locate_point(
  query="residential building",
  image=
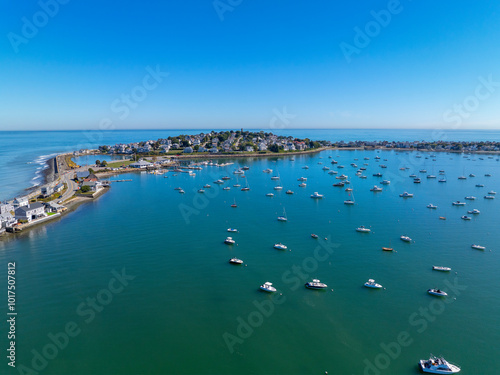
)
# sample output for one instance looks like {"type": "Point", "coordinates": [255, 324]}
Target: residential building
{"type": "Point", "coordinates": [6, 208]}
{"type": "Point", "coordinates": [20, 202]}
{"type": "Point", "coordinates": [30, 212]}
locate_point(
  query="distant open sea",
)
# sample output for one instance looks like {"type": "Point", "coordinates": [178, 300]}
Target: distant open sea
{"type": "Point", "coordinates": [23, 154]}
{"type": "Point", "coordinates": [138, 281]}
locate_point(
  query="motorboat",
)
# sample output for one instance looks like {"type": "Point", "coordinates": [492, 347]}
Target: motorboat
{"type": "Point", "coordinates": [268, 287]}
{"type": "Point", "coordinates": [438, 365]}
{"type": "Point", "coordinates": [332, 172]}
{"type": "Point", "coordinates": [305, 167]}
{"type": "Point", "coordinates": [269, 195]}
{"type": "Point", "coordinates": [437, 292]}
{"type": "Point", "coordinates": [472, 175]}
{"type": "Point", "coordinates": [280, 246]}
{"type": "Point", "coordinates": [207, 186]}
{"type": "Point", "coordinates": [386, 182]}
{"type": "Point", "coordinates": [417, 180]}
{"type": "Point", "coordinates": [232, 230]}
{"type": "Point", "coordinates": [245, 168]}
{"type": "Point", "coordinates": [279, 187]}
{"type": "Point", "coordinates": [458, 203]}
{"type": "Point", "coordinates": [431, 176]}
{"type": "Point", "coordinates": [226, 188]}
{"type": "Point", "coordinates": [219, 182]}
{"type": "Point", "coordinates": [349, 202]}
{"type": "Point", "coordinates": [372, 284]}
{"type": "Point", "coordinates": [465, 217]}
{"type": "Point", "coordinates": [178, 188]}
{"type": "Point", "coordinates": [423, 171]}
{"type": "Point", "coordinates": [235, 261]}
{"type": "Point", "coordinates": [405, 238]}
{"type": "Point", "coordinates": [470, 198]}
{"type": "Point", "coordinates": [289, 192]}
{"type": "Point", "coordinates": [443, 269]}
{"type": "Point", "coordinates": [406, 195]}
{"type": "Point", "coordinates": [492, 192]}
{"type": "Point", "coordinates": [442, 180]}
{"type": "Point", "coordinates": [487, 175]}
{"type": "Point", "coordinates": [442, 218]}
{"type": "Point", "coordinates": [302, 179]}
{"type": "Point", "coordinates": [376, 188]}
{"type": "Point", "coordinates": [430, 205]}
{"type": "Point", "coordinates": [236, 185]}
{"type": "Point", "coordinates": [201, 191]}
{"type": "Point", "coordinates": [229, 241]}
{"type": "Point", "coordinates": [475, 211]}
{"type": "Point", "coordinates": [340, 166]}
{"type": "Point", "coordinates": [268, 170]}
{"type": "Point", "coordinates": [181, 191]}
{"type": "Point", "coordinates": [325, 168]}
{"type": "Point", "coordinates": [478, 247]}
{"type": "Point", "coordinates": [341, 177]}
{"type": "Point", "coordinates": [362, 229]}
{"type": "Point", "coordinates": [314, 235]}
{"type": "Point", "coordinates": [274, 178]}
{"type": "Point", "coordinates": [316, 195]}
{"type": "Point", "coordinates": [225, 178]}
{"type": "Point", "coordinates": [315, 284]}
{"type": "Point", "coordinates": [303, 184]}
{"type": "Point", "coordinates": [479, 185]}
{"type": "Point", "coordinates": [462, 178]}
{"type": "Point", "coordinates": [377, 174]}
{"type": "Point", "coordinates": [489, 197]}
{"type": "Point", "coordinates": [413, 175]}
{"type": "Point", "coordinates": [339, 184]}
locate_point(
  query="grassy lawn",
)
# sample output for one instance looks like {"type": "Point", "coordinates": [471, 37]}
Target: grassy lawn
{"type": "Point", "coordinates": [51, 213]}
{"type": "Point", "coordinates": [119, 163]}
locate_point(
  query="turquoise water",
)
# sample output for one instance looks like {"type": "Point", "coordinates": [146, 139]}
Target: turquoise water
{"type": "Point", "coordinates": [185, 299]}
{"type": "Point", "coordinates": [23, 154]}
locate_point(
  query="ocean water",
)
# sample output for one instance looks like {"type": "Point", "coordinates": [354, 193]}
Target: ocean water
{"type": "Point", "coordinates": [23, 154]}
{"type": "Point", "coordinates": [185, 310]}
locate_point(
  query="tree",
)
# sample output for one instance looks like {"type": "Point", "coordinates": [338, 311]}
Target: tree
{"type": "Point", "coordinates": [91, 171]}
{"type": "Point", "coordinates": [104, 163]}
{"type": "Point", "coordinates": [97, 162]}
{"type": "Point", "coordinates": [85, 189]}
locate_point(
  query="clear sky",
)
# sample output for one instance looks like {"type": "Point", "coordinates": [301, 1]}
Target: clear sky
{"type": "Point", "coordinates": [68, 64]}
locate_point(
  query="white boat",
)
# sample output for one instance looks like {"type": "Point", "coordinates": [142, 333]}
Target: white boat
{"type": "Point", "coordinates": [316, 195]}
{"type": "Point", "coordinates": [472, 175]}
{"type": "Point", "coordinates": [385, 182]}
{"type": "Point", "coordinates": [181, 191]}
{"type": "Point", "coordinates": [470, 198]}
{"type": "Point", "coordinates": [375, 188]}
{"type": "Point", "coordinates": [284, 217]}
{"type": "Point", "coordinates": [233, 230]}
{"type": "Point", "coordinates": [437, 292]}
{"type": "Point", "coordinates": [406, 195]}
{"type": "Point", "coordinates": [225, 178]}
{"type": "Point", "coordinates": [492, 192]}
{"type": "Point", "coordinates": [229, 241]}
{"type": "Point", "coordinates": [279, 187]}
{"type": "Point", "coordinates": [430, 205]}
{"type": "Point", "coordinates": [478, 247]}
{"type": "Point", "coordinates": [178, 188]}
{"type": "Point", "coordinates": [207, 186]}
{"type": "Point", "coordinates": [377, 174]}
{"type": "Point", "coordinates": [280, 246]}
{"type": "Point", "coordinates": [475, 211]}
{"type": "Point", "coordinates": [274, 178]}
{"type": "Point", "coordinates": [235, 261]}
{"type": "Point", "coordinates": [314, 235]}
{"type": "Point", "coordinates": [431, 176]}
{"type": "Point", "coordinates": [341, 177]}
{"type": "Point", "coordinates": [236, 185]}
{"type": "Point", "coordinates": [362, 229]}
{"type": "Point", "coordinates": [226, 188]}
{"type": "Point", "coordinates": [219, 182]}
{"type": "Point", "coordinates": [442, 180]}
{"type": "Point", "coordinates": [438, 365]}
{"type": "Point", "coordinates": [269, 195]}
{"type": "Point", "coordinates": [458, 203]}
{"type": "Point", "coordinates": [462, 178]}
{"type": "Point", "coordinates": [489, 197]}
{"type": "Point", "coordinates": [372, 284]}
{"type": "Point", "coordinates": [405, 238]}
{"type": "Point", "coordinates": [289, 192]}
{"type": "Point", "coordinates": [332, 172]}
{"type": "Point", "coordinates": [479, 185]}
{"type": "Point", "coordinates": [268, 287]}
{"type": "Point", "coordinates": [305, 167]}
{"type": "Point", "coordinates": [465, 217]}
{"type": "Point", "coordinates": [302, 179]}
{"type": "Point", "coordinates": [201, 191]}
{"type": "Point", "coordinates": [268, 170]}
{"type": "Point", "coordinates": [325, 168]}
{"type": "Point", "coordinates": [315, 284]}
{"type": "Point", "coordinates": [303, 184]}
{"type": "Point", "coordinates": [349, 202]}
{"type": "Point", "coordinates": [443, 269]}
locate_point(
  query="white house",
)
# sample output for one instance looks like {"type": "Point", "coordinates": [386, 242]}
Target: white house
{"type": "Point", "coordinates": [20, 202]}
{"type": "Point", "coordinates": [47, 191]}
{"type": "Point", "coordinates": [141, 164]}
{"type": "Point", "coordinates": [30, 212]}
{"type": "Point", "coordinates": [94, 185]}
{"type": "Point", "coordinates": [7, 220]}
{"type": "Point", "coordinates": [6, 208]}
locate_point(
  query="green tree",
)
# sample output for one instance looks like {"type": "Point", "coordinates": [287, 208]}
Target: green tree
{"type": "Point", "coordinates": [104, 163]}
{"type": "Point", "coordinates": [85, 189]}
{"type": "Point", "coordinates": [91, 170]}
{"type": "Point", "coordinates": [97, 162]}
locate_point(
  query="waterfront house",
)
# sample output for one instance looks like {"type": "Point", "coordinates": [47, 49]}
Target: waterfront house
{"type": "Point", "coordinates": [94, 185]}
{"type": "Point", "coordinates": [91, 178]}
{"type": "Point", "coordinates": [53, 207]}
{"type": "Point", "coordinates": [30, 212]}
{"type": "Point", "coordinates": [141, 164]}
{"type": "Point", "coordinates": [6, 208]}
{"type": "Point", "coordinates": [20, 202]}
{"type": "Point", "coordinates": [58, 188]}
{"type": "Point", "coordinates": [7, 220]}
{"type": "Point", "coordinates": [47, 191]}
{"type": "Point", "coordinates": [83, 174]}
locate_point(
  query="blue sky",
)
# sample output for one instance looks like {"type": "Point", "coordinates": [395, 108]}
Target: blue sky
{"type": "Point", "coordinates": [235, 63]}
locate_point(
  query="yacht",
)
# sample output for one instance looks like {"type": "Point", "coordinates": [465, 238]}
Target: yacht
{"type": "Point", "coordinates": [472, 175]}
{"type": "Point", "coordinates": [462, 178]}
{"type": "Point", "coordinates": [332, 172]}
{"type": "Point", "coordinates": [274, 178]}
{"type": "Point", "coordinates": [438, 365]}
{"type": "Point", "coordinates": [489, 197]}
{"type": "Point", "coordinates": [492, 192]}
{"type": "Point", "coordinates": [386, 182]}
{"type": "Point", "coordinates": [325, 168]}
{"type": "Point", "coordinates": [363, 176]}
{"type": "Point", "coordinates": [225, 178]}
{"type": "Point", "coordinates": [376, 188]}
{"type": "Point", "coordinates": [289, 192]}
{"type": "Point", "coordinates": [315, 284]}
{"type": "Point", "coordinates": [226, 188]}
{"type": "Point", "coordinates": [268, 170]}
{"type": "Point", "coordinates": [372, 284]}
{"type": "Point", "coordinates": [283, 218]}
{"type": "Point", "coordinates": [339, 184]}
{"type": "Point", "coordinates": [219, 182]}
{"type": "Point", "coordinates": [442, 180]}
{"type": "Point", "coordinates": [413, 175]}
{"type": "Point", "coordinates": [362, 229]}
{"type": "Point", "coordinates": [340, 166]}
{"type": "Point", "coordinates": [430, 205]}
{"type": "Point", "coordinates": [268, 287]}
{"type": "Point", "coordinates": [279, 187]}
{"type": "Point", "coordinates": [316, 195]}
{"type": "Point", "coordinates": [431, 176]}
{"type": "Point", "coordinates": [314, 235]}
{"type": "Point", "coordinates": [383, 166]}
{"type": "Point", "coordinates": [487, 175]}
{"type": "Point", "coordinates": [443, 269]}
{"type": "Point", "coordinates": [387, 249]}
{"type": "Point", "coordinates": [305, 167]}
{"type": "Point", "coordinates": [437, 292]}
{"type": "Point", "coordinates": [349, 202]}
{"type": "Point", "coordinates": [302, 179]}
{"type": "Point", "coordinates": [229, 241]}
{"type": "Point", "coordinates": [478, 247]}
{"type": "Point", "coordinates": [458, 203]}
{"type": "Point", "coordinates": [280, 246]}
{"type": "Point", "coordinates": [441, 171]}
{"type": "Point", "coordinates": [269, 195]}
{"type": "Point", "coordinates": [245, 168]}
{"type": "Point", "coordinates": [475, 211]}
{"type": "Point", "coordinates": [235, 261]}
{"type": "Point", "coordinates": [178, 188]}
{"type": "Point", "coordinates": [377, 174]}
{"type": "Point", "coordinates": [236, 185]}
{"type": "Point", "coordinates": [181, 191]}
{"type": "Point", "coordinates": [465, 217]}
{"type": "Point", "coordinates": [234, 205]}
{"type": "Point", "coordinates": [406, 195]}
{"type": "Point", "coordinates": [303, 184]}
{"type": "Point", "coordinates": [207, 186]}
{"type": "Point", "coordinates": [405, 238]}
{"type": "Point", "coordinates": [232, 230]}
{"type": "Point", "coordinates": [341, 177]}
{"type": "Point", "coordinates": [201, 191]}
{"type": "Point", "coordinates": [423, 171]}
{"type": "Point", "coordinates": [417, 180]}
{"type": "Point", "coordinates": [334, 161]}
{"type": "Point", "coordinates": [238, 171]}
{"type": "Point", "coordinates": [479, 185]}
{"type": "Point", "coordinates": [470, 197]}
